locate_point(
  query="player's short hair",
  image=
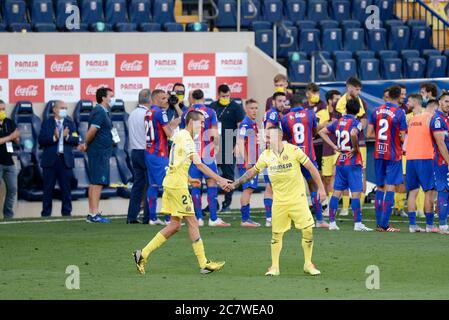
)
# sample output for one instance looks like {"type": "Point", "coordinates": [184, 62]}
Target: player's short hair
{"type": "Point", "coordinates": [156, 92]}
{"type": "Point", "coordinates": [433, 102]}
{"type": "Point", "coordinates": [353, 106]}
{"type": "Point", "coordinates": [2, 102]}
{"type": "Point", "coordinates": [102, 93]}
{"type": "Point", "coordinates": [401, 85]}
{"type": "Point", "coordinates": [387, 89]}
{"type": "Point", "coordinates": [313, 87]}
{"type": "Point", "coordinates": [429, 87]}
{"type": "Point", "coordinates": [278, 94]}
{"type": "Point", "coordinates": [276, 127]}
{"type": "Point", "coordinates": [223, 88]}
{"type": "Point", "coordinates": [144, 96]}
{"type": "Point", "coordinates": [193, 115]}
{"type": "Point", "coordinates": [416, 97]}
{"type": "Point", "coordinates": [394, 92]}
{"type": "Point", "coordinates": [353, 81]}
{"type": "Point", "coordinates": [444, 93]}
{"type": "Point", "coordinates": [279, 77]}
{"type": "Point", "coordinates": [250, 101]}
{"type": "Point", "coordinates": [296, 100]}
{"type": "Point", "coordinates": [331, 93]}
{"type": "Point", "coordinates": [198, 94]}
{"type": "Point", "coordinates": [179, 84]}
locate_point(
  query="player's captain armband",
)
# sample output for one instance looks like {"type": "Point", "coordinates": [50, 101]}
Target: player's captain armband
{"type": "Point", "coordinates": [75, 135]}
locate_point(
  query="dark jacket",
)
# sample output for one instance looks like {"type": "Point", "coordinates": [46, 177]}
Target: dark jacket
{"type": "Point", "coordinates": [50, 146]}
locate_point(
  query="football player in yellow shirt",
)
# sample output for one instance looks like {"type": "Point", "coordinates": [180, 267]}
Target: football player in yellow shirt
{"type": "Point", "coordinates": [283, 162]}
{"type": "Point", "coordinates": [176, 199]}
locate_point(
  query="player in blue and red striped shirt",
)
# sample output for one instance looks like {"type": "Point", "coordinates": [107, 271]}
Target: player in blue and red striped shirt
{"type": "Point", "coordinates": [158, 131]}
{"type": "Point", "coordinates": [349, 167]}
{"type": "Point", "coordinates": [207, 142]}
{"type": "Point", "coordinates": [300, 126]}
{"type": "Point", "coordinates": [388, 125]}
{"type": "Point", "coordinates": [247, 156]}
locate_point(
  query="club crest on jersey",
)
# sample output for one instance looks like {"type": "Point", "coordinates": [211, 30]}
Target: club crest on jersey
{"type": "Point", "coordinates": [273, 116]}
{"type": "Point", "coordinates": [437, 124]}
{"type": "Point", "coordinates": [285, 157]}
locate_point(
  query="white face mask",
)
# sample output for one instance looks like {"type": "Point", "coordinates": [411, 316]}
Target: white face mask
{"type": "Point", "coordinates": [63, 113]}
{"type": "Point", "coordinates": [112, 102]}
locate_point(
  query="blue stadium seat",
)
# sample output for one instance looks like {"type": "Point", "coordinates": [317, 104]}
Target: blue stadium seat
{"type": "Point", "coordinates": [115, 11]}
{"type": "Point", "coordinates": [436, 67]}
{"type": "Point", "coordinates": [364, 54]}
{"type": "Point", "coordinates": [358, 9]}
{"type": "Point", "coordinates": [391, 68]}
{"type": "Point", "coordinates": [173, 27]}
{"type": "Point", "coordinates": [19, 27]}
{"type": "Point", "coordinates": [309, 40]}
{"type": "Point", "coordinates": [272, 10]}
{"type": "Point", "coordinates": [197, 27]}
{"type": "Point", "coordinates": [42, 11]}
{"type": "Point", "coordinates": [420, 38]}
{"type": "Point", "coordinates": [45, 27]}
{"type": "Point", "coordinates": [119, 119]}
{"type": "Point", "coordinates": [415, 23]}
{"type": "Point", "coordinates": [139, 11]}
{"type": "Point", "coordinates": [430, 52]}
{"type": "Point", "coordinates": [414, 68]}
{"type": "Point", "coordinates": [14, 11]}
{"type": "Point", "coordinates": [287, 40]}
{"type": "Point", "coordinates": [260, 25]}
{"type": "Point", "coordinates": [299, 70]}
{"type": "Point", "coordinates": [331, 40]}
{"type": "Point", "coordinates": [340, 10]}
{"type": "Point", "coordinates": [92, 11]}
{"type": "Point", "coordinates": [306, 24]}
{"type": "Point", "coordinates": [345, 68]}
{"type": "Point", "coordinates": [369, 69]}
{"type": "Point", "coordinates": [250, 11]}
{"type": "Point", "coordinates": [163, 11]}
{"type": "Point", "coordinates": [322, 71]}
{"type": "Point", "coordinates": [399, 38]}
{"type": "Point", "coordinates": [317, 10]}
{"type": "Point", "coordinates": [126, 27]}
{"type": "Point", "coordinates": [150, 27]}
{"type": "Point", "coordinates": [321, 54]}
{"type": "Point", "coordinates": [29, 125]}
{"type": "Point", "coordinates": [408, 53]}
{"type": "Point", "coordinates": [48, 110]}
{"type": "Point", "coordinates": [295, 10]}
{"type": "Point", "coordinates": [227, 17]}
{"type": "Point", "coordinates": [81, 175]}
{"type": "Point", "coordinates": [64, 8]}
{"type": "Point", "coordinates": [393, 23]}
{"type": "Point", "coordinates": [328, 24]}
{"type": "Point", "coordinates": [354, 39]}
{"type": "Point", "coordinates": [346, 24]}
{"type": "Point", "coordinates": [81, 116]}
{"type": "Point", "coordinates": [264, 41]}
{"type": "Point", "coordinates": [387, 54]}
{"type": "Point", "coordinates": [340, 55]}
{"type": "Point", "coordinates": [385, 8]}
{"type": "Point", "coordinates": [377, 39]}
{"type": "Point", "coordinates": [297, 55]}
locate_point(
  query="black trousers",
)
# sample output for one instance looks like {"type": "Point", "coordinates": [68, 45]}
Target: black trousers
{"type": "Point", "coordinates": [59, 172]}
{"type": "Point", "coordinates": [228, 173]}
{"type": "Point", "coordinates": [139, 186]}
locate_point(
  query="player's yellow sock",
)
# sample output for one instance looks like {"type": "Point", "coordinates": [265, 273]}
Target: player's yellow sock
{"type": "Point", "coordinates": [307, 245]}
{"type": "Point", "coordinates": [420, 201]}
{"type": "Point", "coordinates": [401, 200]}
{"type": "Point", "coordinates": [198, 249]}
{"type": "Point", "coordinates": [155, 243]}
{"type": "Point", "coordinates": [396, 200]}
{"type": "Point", "coordinates": [276, 247]}
{"type": "Point", "coordinates": [345, 202]}
{"type": "Point", "coordinates": [362, 198]}
{"type": "Point", "coordinates": [330, 195]}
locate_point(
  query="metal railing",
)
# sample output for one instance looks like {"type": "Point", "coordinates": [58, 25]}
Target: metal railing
{"type": "Point", "coordinates": [416, 12]}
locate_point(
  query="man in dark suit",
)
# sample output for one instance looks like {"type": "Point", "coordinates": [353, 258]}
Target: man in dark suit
{"type": "Point", "coordinates": [57, 137]}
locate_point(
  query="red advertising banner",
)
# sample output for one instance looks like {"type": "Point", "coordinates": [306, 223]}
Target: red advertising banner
{"type": "Point", "coordinates": [199, 64]}
{"type": "Point", "coordinates": [3, 66]}
{"type": "Point", "coordinates": [29, 90]}
{"type": "Point", "coordinates": [62, 66]}
{"type": "Point", "coordinates": [238, 85]}
{"type": "Point", "coordinates": [131, 65]}
{"type": "Point", "coordinates": [89, 87]}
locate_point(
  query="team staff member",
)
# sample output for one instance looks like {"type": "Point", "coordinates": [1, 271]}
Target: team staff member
{"type": "Point", "coordinates": [57, 137]}
{"type": "Point", "coordinates": [8, 134]}
{"type": "Point", "coordinates": [280, 85]}
{"type": "Point", "coordinates": [175, 110]}
{"type": "Point", "coordinates": [229, 115]}
{"type": "Point", "coordinates": [99, 142]}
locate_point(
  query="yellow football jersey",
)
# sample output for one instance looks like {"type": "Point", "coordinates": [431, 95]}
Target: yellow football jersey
{"type": "Point", "coordinates": [182, 149]}
{"type": "Point", "coordinates": [285, 174]}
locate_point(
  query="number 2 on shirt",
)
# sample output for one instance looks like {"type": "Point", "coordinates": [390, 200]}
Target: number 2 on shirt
{"type": "Point", "coordinates": [343, 140]}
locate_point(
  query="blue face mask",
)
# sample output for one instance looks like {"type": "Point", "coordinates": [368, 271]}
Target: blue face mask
{"type": "Point", "coordinates": [425, 100]}
{"type": "Point", "coordinates": [63, 113]}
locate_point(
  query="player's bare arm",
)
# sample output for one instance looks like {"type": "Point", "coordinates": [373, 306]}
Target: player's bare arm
{"type": "Point", "coordinates": [354, 141]}
{"type": "Point", "coordinates": [439, 139]}
{"type": "Point", "coordinates": [370, 132]}
{"type": "Point", "coordinates": [216, 138]}
{"type": "Point", "coordinates": [225, 184]}
{"type": "Point", "coordinates": [324, 134]}
{"type": "Point", "coordinates": [316, 179]}
{"type": "Point", "coordinates": [168, 129]}
{"type": "Point", "coordinates": [249, 174]}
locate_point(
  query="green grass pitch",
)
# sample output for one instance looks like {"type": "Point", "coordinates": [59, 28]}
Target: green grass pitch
{"type": "Point", "coordinates": [34, 257]}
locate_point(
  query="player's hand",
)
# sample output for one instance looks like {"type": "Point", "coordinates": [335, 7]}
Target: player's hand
{"type": "Point", "coordinates": [225, 184]}
{"type": "Point", "coordinates": [82, 147]}
{"type": "Point", "coordinates": [321, 193]}
{"type": "Point", "coordinates": [175, 122]}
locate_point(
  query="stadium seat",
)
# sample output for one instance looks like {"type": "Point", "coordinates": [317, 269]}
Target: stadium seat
{"type": "Point", "coordinates": [125, 175]}
{"type": "Point", "coordinates": [115, 12]}
{"type": "Point", "coordinates": [415, 23]}
{"type": "Point", "coordinates": [287, 40]}
{"type": "Point", "coordinates": [173, 27]}
{"type": "Point", "coordinates": [163, 11]}
{"type": "Point", "coordinates": [42, 11]}
{"type": "Point", "coordinates": [420, 38]}
{"type": "Point", "coordinates": [14, 11]}
{"type": "Point", "coordinates": [387, 54]}
{"type": "Point", "coordinates": [295, 10]}
{"type": "Point", "coordinates": [340, 10]}
{"type": "Point", "coordinates": [64, 8]}
{"type": "Point", "coordinates": [321, 54]}
{"type": "Point", "coordinates": [358, 9]}
{"type": "Point", "coordinates": [197, 27]}
{"type": "Point", "coordinates": [272, 10]}
{"type": "Point", "coordinates": [364, 54]}
{"type": "Point", "coordinates": [81, 175]}
{"type": "Point", "coordinates": [391, 68]}
{"type": "Point", "coordinates": [339, 55]}
{"type": "Point", "coordinates": [331, 40]}
{"type": "Point", "coordinates": [264, 41]}
{"type": "Point", "coordinates": [346, 24]}
{"type": "Point", "coordinates": [126, 27]}
{"type": "Point", "coordinates": [306, 24]}
{"type": "Point", "coordinates": [139, 11]}
{"type": "Point", "coordinates": [317, 10]}
{"type": "Point", "coordinates": [30, 186]}
{"type": "Point", "coordinates": [227, 17]}
{"type": "Point", "coordinates": [119, 118]}
{"type": "Point", "coordinates": [328, 24]}
{"type": "Point", "coordinates": [385, 8]}
{"type": "Point", "coordinates": [377, 39]}
{"type": "Point", "coordinates": [322, 71]}
{"type": "Point", "coordinates": [114, 179]}
{"type": "Point", "coordinates": [430, 52]}
{"type": "Point", "coordinates": [250, 11]}
{"type": "Point", "coordinates": [299, 70]}
{"type": "Point", "coordinates": [436, 67]}
{"type": "Point", "coordinates": [2, 24]}
{"type": "Point", "coordinates": [260, 25]}
{"type": "Point", "coordinates": [44, 27]}
{"type": "Point", "coordinates": [354, 39]}
{"type": "Point", "coordinates": [369, 69]}
{"type": "Point", "coordinates": [399, 38]}
{"type": "Point", "coordinates": [415, 68]}
{"type": "Point", "coordinates": [81, 116]}
{"type": "Point", "coordinates": [19, 27]}
{"type": "Point", "coordinates": [48, 110]}
{"type": "Point", "coordinates": [29, 125]}
{"type": "Point", "coordinates": [388, 24]}
{"type": "Point", "coordinates": [345, 68]}
{"type": "Point", "coordinates": [297, 55]}
{"type": "Point", "coordinates": [405, 54]}
{"type": "Point", "coordinates": [92, 12]}
{"type": "Point", "coordinates": [309, 40]}
{"type": "Point", "coordinates": [150, 27]}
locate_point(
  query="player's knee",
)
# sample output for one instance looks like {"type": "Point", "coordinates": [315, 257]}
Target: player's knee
{"type": "Point", "coordinates": [195, 183]}
{"type": "Point", "coordinates": [307, 234]}
{"type": "Point", "coordinates": [276, 237]}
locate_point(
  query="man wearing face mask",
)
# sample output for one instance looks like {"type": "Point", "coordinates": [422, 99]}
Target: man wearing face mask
{"type": "Point", "coordinates": [428, 92]}
{"type": "Point", "coordinates": [99, 142]}
{"type": "Point", "coordinates": [229, 115]}
{"type": "Point", "coordinates": [57, 137]}
{"type": "Point", "coordinates": [8, 134]}
{"type": "Point", "coordinates": [280, 85]}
